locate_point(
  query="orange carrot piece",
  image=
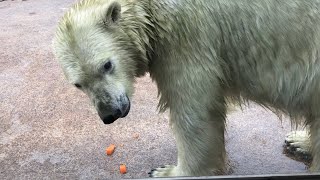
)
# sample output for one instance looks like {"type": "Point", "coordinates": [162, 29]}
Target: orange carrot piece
{"type": "Point", "coordinates": [110, 149]}
{"type": "Point", "coordinates": [123, 169]}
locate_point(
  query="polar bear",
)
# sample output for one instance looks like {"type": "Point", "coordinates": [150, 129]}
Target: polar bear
{"type": "Point", "coordinates": [199, 53]}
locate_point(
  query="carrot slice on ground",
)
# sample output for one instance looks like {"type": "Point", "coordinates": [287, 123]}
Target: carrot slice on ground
{"type": "Point", "coordinates": [123, 169]}
{"type": "Point", "coordinates": [110, 149]}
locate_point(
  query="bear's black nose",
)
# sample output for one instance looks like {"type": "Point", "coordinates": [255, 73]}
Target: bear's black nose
{"type": "Point", "coordinates": [111, 118]}
{"type": "Point", "coordinates": [117, 114]}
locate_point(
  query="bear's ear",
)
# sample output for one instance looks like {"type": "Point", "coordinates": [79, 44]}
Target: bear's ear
{"type": "Point", "coordinates": [113, 13]}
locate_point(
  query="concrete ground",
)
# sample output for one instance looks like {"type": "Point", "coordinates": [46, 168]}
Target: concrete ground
{"type": "Point", "coordinates": [49, 130]}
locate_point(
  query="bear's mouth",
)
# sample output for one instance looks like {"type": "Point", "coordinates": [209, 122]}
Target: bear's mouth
{"type": "Point", "coordinates": [127, 109]}
{"type": "Point", "coordinates": [109, 119]}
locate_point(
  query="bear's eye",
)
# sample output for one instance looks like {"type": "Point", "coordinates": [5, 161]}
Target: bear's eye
{"type": "Point", "coordinates": [107, 66]}
{"type": "Point", "coordinates": [78, 85]}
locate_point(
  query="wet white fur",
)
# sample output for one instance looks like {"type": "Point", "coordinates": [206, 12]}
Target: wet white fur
{"type": "Point", "coordinates": [200, 52]}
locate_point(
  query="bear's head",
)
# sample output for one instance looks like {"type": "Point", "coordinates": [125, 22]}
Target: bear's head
{"type": "Point", "coordinates": [97, 46]}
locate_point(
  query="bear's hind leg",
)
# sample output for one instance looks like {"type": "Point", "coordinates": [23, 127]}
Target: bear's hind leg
{"type": "Point", "coordinates": [199, 134]}
{"type": "Point", "coordinates": [315, 144]}
{"type": "Point", "coordinates": [298, 143]}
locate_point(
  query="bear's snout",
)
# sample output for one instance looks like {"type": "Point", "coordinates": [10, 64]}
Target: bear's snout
{"type": "Point", "coordinates": [111, 118]}
{"type": "Point", "coordinates": [109, 114]}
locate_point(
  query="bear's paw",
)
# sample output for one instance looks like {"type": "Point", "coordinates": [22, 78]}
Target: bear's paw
{"type": "Point", "coordinates": [298, 144]}
{"type": "Point", "coordinates": [164, 171]}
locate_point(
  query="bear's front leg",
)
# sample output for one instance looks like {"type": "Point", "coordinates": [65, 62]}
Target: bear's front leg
{"type": "Point", "coordinates": [199, 133]}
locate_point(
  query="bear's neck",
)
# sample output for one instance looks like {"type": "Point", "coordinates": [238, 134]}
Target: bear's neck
{"type": "Point", "coordinates": [139, 26]}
